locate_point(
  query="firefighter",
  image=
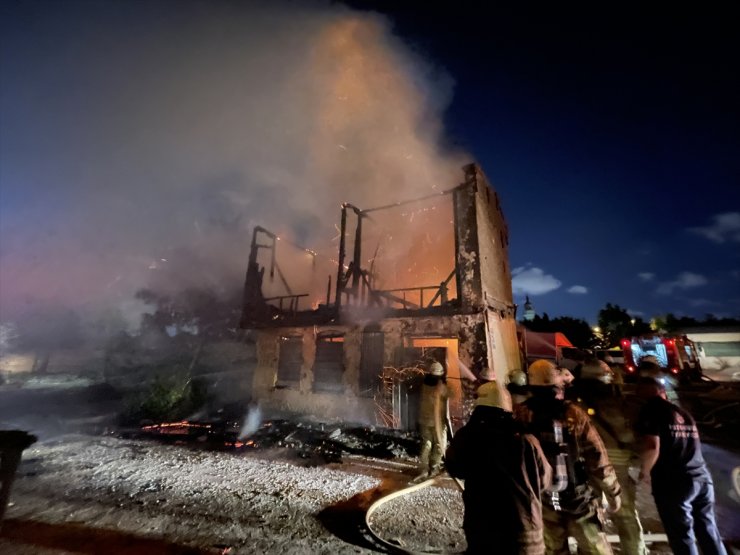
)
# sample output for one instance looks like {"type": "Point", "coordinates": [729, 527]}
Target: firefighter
{"type": "Point", "coordinates": [595, 393]}
{"type": "Point", "coordinates": [582, 473]}
{"type": "Point", "coordinates": [617, 372]}
{"type": "Point", "coordinates": [649, 367]}
{"type": "Point", "coordinates": [505, 472]}
{"type": "Point", "coordinates": [517, 386]}
{"type": "Point", "coordinates": [433, 421]}
{"type": "Point", "coordinates": [673, 464]}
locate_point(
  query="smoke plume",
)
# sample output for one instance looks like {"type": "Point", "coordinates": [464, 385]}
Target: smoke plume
{"type": "Point", "coordinates": [143, 141]}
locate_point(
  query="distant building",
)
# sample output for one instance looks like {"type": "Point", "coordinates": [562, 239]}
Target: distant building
{"type": "Point", "coordinates": [718, 348]}
{"type": "Point", "coordinates": [356, 352]}
{"type": "Point", "coordinates": [529, 313]}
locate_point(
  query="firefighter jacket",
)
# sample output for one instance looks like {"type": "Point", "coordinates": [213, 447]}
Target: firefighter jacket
{"type": "Point", "coordinates": [505, 472]}
{"type": "Point", "coordinates": [433, 402]}
{"type": "Point", "coordinates": [611, 416]}
{"type": "Point", "coordinates": [589, 471]}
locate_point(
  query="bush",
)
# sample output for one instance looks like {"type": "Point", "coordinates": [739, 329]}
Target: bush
{"type": "Point", "coordinates": [165, 399]}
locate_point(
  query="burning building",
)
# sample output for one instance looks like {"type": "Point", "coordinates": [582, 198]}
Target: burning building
{"type": "Point", "coordinates": [345, 334]}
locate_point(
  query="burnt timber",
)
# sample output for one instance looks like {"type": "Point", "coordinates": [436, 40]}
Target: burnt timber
{"type": "Point", "coordinates": [330, 360]}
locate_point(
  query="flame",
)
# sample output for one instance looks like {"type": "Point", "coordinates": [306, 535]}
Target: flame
{"type": "Point", "coordinates": [373, 143]}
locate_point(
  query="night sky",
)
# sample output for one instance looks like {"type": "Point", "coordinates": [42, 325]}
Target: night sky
{"type": "Point", "coordinates": [612, 137]}
{"type": "Point", "coordinates": [134, 134]}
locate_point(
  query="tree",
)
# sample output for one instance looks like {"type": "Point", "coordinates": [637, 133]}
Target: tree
{"type": "Point", "coordinates": [48, 329]}
{"type": "Point", "coordinates": [672, 324]}
{"type": "Point", "coordinates": [575, 329]}
{"type": "Point", "coordinates": [640, 327]}
{"type": "Point", "coordinates": [614, 323]}
{"type": "Point", "coordinates": [8, 337]}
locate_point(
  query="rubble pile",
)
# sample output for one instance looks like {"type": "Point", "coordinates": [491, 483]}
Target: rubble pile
{"type": "Point", "coordinates": [318, 442]}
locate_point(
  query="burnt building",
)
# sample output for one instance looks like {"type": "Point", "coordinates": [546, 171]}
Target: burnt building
{"type": "Point", "coordinates": [416, 280]}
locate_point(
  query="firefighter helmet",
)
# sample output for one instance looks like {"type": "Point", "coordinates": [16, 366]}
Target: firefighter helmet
{"type": "Point", "coordinates": [597, 370]}
{"type": "Point", "coordinates": [566, 376]}
{"type": "Point", "coordinates": [544, 373]}
{"type": "Point", "coordinates": [491, 395]}
{"type": "Point", "coordinates": [649, 366]}
{"type": "Point", "coordinates": [517, 378]}
{"type": "Point", "coordinates": [436, 369]}
{"type": "Point", "coordinates": [650, 359]}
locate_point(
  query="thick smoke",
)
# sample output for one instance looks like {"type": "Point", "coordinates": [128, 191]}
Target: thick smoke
{"type": "Point", "coordinates": [141, 142]}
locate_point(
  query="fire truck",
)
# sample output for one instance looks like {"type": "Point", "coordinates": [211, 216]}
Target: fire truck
{"type": "Point", "coordinates": [676, 354]}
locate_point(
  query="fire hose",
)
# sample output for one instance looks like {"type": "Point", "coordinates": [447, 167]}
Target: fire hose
{"type": "Point", "coordinates": [438, 431]}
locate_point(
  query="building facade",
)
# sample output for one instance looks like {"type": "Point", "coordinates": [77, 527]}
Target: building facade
{"type": "Point", "coordinates": [358, 355]}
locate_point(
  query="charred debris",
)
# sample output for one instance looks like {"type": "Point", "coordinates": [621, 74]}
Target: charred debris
{"type": "Point", "coordinates": [314, 442]}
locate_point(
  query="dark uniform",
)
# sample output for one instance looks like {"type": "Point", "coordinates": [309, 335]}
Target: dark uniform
{"type": "Point", "coordinates": [505, 472]}
{"type": "Point", "coordinates": [681, 483]}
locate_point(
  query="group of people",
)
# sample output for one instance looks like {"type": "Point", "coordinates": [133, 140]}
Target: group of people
{"type": "Point", "coordinates": [548, 457]}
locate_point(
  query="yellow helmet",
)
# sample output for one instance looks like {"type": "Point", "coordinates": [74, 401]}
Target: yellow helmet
{"type": "Point", "coordinates": [491, 395]}
{"type": "Point", "coordinates": [544, 373]}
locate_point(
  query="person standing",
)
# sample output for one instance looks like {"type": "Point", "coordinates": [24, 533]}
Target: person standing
{"type": "Point", "coordinates": [517, 387]}
{"type": "Point", "coordinates": [649, 367]}
{"type": "Point", "coordinates": [505, 472]}
{"type": "Point", "coordinates": [582, 473]}
{"type": "Point", "coordinates": [433, 421]}
{"type": "Point", "coordinates": [594, 392]}
{"type": "Point", "coordinates": [617, 372]}
{"type": "Point", "coordinates": [672, 462]}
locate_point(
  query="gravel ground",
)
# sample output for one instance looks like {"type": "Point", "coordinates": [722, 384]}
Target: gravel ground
{"type": "Point", "coordinates": [304, 489]}
{"type": "Point", "coordinates": [251, 502]}
{"type": "Point", "coordinates": [89, 494]}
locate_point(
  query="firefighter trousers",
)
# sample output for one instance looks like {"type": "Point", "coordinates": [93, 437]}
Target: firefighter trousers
{"type": "Point", "coordinates": [587, 531]}
{"type": "Point", "coordinates": [627, 520]}
{"type": "Point", "coordinates": [431, 450]}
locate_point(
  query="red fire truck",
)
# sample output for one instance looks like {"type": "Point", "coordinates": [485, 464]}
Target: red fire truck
{"type": "Point", "coordinates": [676, 354]}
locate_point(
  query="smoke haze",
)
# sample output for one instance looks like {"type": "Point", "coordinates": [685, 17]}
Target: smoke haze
{"type": "Point", "coordinates": [142, 141]}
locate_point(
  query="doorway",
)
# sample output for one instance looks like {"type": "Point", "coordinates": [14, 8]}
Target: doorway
{"type": "Point", "coordinates": [445, 350]}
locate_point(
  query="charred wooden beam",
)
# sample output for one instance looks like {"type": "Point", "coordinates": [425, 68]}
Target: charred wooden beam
{"type": "Point", "coordinates": [340, 260]}
{"type": "Point", "coordinates": [442, 290]}
{"type": "Point", "coordinates": [357, 257]}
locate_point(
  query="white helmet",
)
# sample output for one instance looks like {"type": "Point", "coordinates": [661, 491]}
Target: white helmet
{"type": "Point", "coordinates": [436, 369]}
{"type": "Point", "coordinates": [566, 376]}
{"type": "Point", "coordinates": [518, 378]}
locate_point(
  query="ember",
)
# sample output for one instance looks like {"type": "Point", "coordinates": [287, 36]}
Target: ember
{"type": "Point", "coordinates": [319, 442]}
{"type": "Point", "coordinates": [182, 427]}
